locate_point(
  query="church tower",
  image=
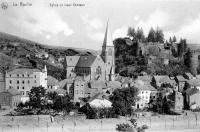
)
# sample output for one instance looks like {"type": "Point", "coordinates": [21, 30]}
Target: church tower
{"type": "Point", "coordinates": [108, 55]}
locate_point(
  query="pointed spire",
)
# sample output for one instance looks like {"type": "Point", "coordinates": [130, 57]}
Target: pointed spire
{"type": "Point", "coordinates": [108, 37]}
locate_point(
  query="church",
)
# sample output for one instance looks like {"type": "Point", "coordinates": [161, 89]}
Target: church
{"type": "Point", "coordinates": [100, 67]}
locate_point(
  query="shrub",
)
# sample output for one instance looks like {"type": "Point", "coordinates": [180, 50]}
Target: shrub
{"type": "Point", "coordinates": [124, 127]}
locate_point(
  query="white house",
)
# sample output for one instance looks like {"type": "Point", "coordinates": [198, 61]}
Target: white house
{"type": "Point", "coordinates": [145, 91]}
{"type": "Point", "coordinates": [23, 79]}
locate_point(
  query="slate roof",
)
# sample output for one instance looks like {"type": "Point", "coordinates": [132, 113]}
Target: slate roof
{"type": "Point", "coordinates": [23, 71]}
{"type": "Point", "coordinates": [192, 91]}
{"type": "Point", "coordinates": [97, 84]}
{"type": "Point", "coordinates": [115, 84]}
{"type": "Point", "coordinates": [189, 74]}
{"type": "Point", "coordinates": [180, 78]}
{"type": "Point", "coordinates": [164, 79]}
{"type": "Point", "coordinates": [72, 60]}
{"type": "Point", "coordinates": [65, 81]}
{"type": "Point", "coordinates": [12, 91]}
{"type": "Point", "coordinates": [194, 82]}
{"type": "Point", "coordinates": [145, 78]}
{"type": "Point", "coordinates": [51, 81]}
{"type": "Point", "coordinates": [86, 61]}
{"type": "Point", "coordinates": [58, 91]}
{"type": "Point", "coordinates": [142, 85]}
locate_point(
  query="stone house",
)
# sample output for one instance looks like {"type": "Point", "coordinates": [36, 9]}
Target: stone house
{"type": "Point", "coordinates": [10, 98]}
{"type": "Point", "coordinates": [2, 82]}
{"type": "Point", "coordinates": [180, 80]}
{"type": "Point", "coordinates": [177, 99]}
{"type": "Point", "coordinates": [192, 98]}
{"type": "Point", "coordinates": [24, 79]}
{"type": "Point", "coordinates": [145, 91]}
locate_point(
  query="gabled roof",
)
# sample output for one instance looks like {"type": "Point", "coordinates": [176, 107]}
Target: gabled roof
{"type": "Point", "coordinates": [145, 78]}
{"type": "Point", "coordinates": [180, 78]}
{"type": "Point", "coordinates": [86, 61]}
{"type": "Point", "coordinates": [64, 82]}
{"type": "Point", "coordinates": [72, 60]}
{"type": "Point", "coordinates": [188, 74]}
{"type": "Point", "coordinates": [97, 84]}
{"type": "Point", "coordinates": [12, 91]}
{"type": "Point", "coordinates": [114, 84]}
{"type": "Point", "coordinates": [142, 85]}
{"type": "Point", "coordinates": [58, 91]}
{"type": "Point", "coordinates": [51, 81]}
{"type": "Point", "coordinates": [194, 82]}
{"type": "Point", "coordinates": [23, 71]}
{"type": "Point", "coordinates": [192, 91]}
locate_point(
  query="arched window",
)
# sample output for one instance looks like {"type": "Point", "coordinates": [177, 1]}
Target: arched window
{"type": "Point", "coordinates": [98, 70]}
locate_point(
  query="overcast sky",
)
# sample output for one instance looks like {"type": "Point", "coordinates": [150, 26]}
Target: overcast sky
{"type": "Point", "coordinates": [84, 27]}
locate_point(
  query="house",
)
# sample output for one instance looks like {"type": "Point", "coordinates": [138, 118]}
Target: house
{"type": "Point", "coordinates": [177, 99]}
{"type": "Point", "coordinates": [145, 91]}
{"type": "Point", "coordinates": [146, 78]}
{"type": "Point", "coordinates": [24, 79]}
{"type": "Point", "coordinates": [59, 91]}
{"type": "Point", "coordinates": [180, 80]}
{"type": "Point", "coordinates": [10, 98]}
{"type": "Point", "coordinates": [194, 83]}
{"type": "Point", "coordinates": [188, 76]}
{"type": "Point", "coordinates": [96, 86]}
{"type": "Point", "coordinates": [67, 84]}
{"type": "Point", "coordinates": [79, 89]}
{"type": "Point", "coordinates": [112, 85]}
{"type": "Point", "coordinates": [52, 83]}
{"type": "Point", "coordinates": [164, 81]}
{"type": "Point", "coordinates": [192, 98]}
{"type": "Point", "coordinates": [2, 82]}
{"type": "Point", "coordinates": [94, 67]}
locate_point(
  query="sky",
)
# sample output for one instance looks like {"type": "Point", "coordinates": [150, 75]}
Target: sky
{"type": "Point", "coordinates": [84, 26]}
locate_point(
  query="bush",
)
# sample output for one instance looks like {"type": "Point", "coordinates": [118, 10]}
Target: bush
{"type": "Point", "coordinates": [124, 127]}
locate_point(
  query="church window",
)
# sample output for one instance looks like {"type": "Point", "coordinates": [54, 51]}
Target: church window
{"type": "Point", "coordinates": [98, 70]}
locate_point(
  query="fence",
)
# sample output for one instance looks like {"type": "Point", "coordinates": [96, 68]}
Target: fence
{"type": "Point", "coordinates": [70, 124]}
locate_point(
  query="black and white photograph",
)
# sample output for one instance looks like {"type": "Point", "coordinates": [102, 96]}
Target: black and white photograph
{"type": "Point", "coordinates": [99, 65]}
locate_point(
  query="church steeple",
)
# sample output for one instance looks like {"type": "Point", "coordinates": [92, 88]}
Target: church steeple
{"type": "Point", "coordinates": [108, 37]}
{"type": "Point", "coordinates": [108, 53]}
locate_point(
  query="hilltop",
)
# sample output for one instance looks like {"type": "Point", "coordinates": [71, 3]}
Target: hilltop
{"type": "Point", "coordinates": [25, 53]}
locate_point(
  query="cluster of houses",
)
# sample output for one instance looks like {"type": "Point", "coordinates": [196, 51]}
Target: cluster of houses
{"type": "Point", "coordinates": [92, 79]}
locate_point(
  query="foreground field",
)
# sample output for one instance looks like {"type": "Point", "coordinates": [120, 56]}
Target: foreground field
{"type": "Point", "coordinates": [43, 123]}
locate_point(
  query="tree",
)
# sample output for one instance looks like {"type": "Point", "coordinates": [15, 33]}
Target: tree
{"type": "Point", "coordinates": [123, 100]}
{"type": "Point", "coordinates": [151, 35]}
{"type": "Point", "coordinates": [37, 97]}
{"type": "Point", "coordinates": [187, 58]}
{"type": "Point", "coordinates": [140, 35]}
{"type": "Point", "coordinates": [131, 32]}
{"type": "Point", "coordinates": [170, 40]}
{"type": "Point", "coordinates": [174, 39]}
{"type": "Point", "coordinates": [159, 36]}
{"type": "Point", "coordinates": [182, 47]}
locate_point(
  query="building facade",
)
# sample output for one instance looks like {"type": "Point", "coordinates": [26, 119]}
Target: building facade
{"type": "Point", "coordinates": [23, 79]}
{"type": "Point", "coordinates": [100, 67]}
{"type": "Point", "coordinates": [9, 98]}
